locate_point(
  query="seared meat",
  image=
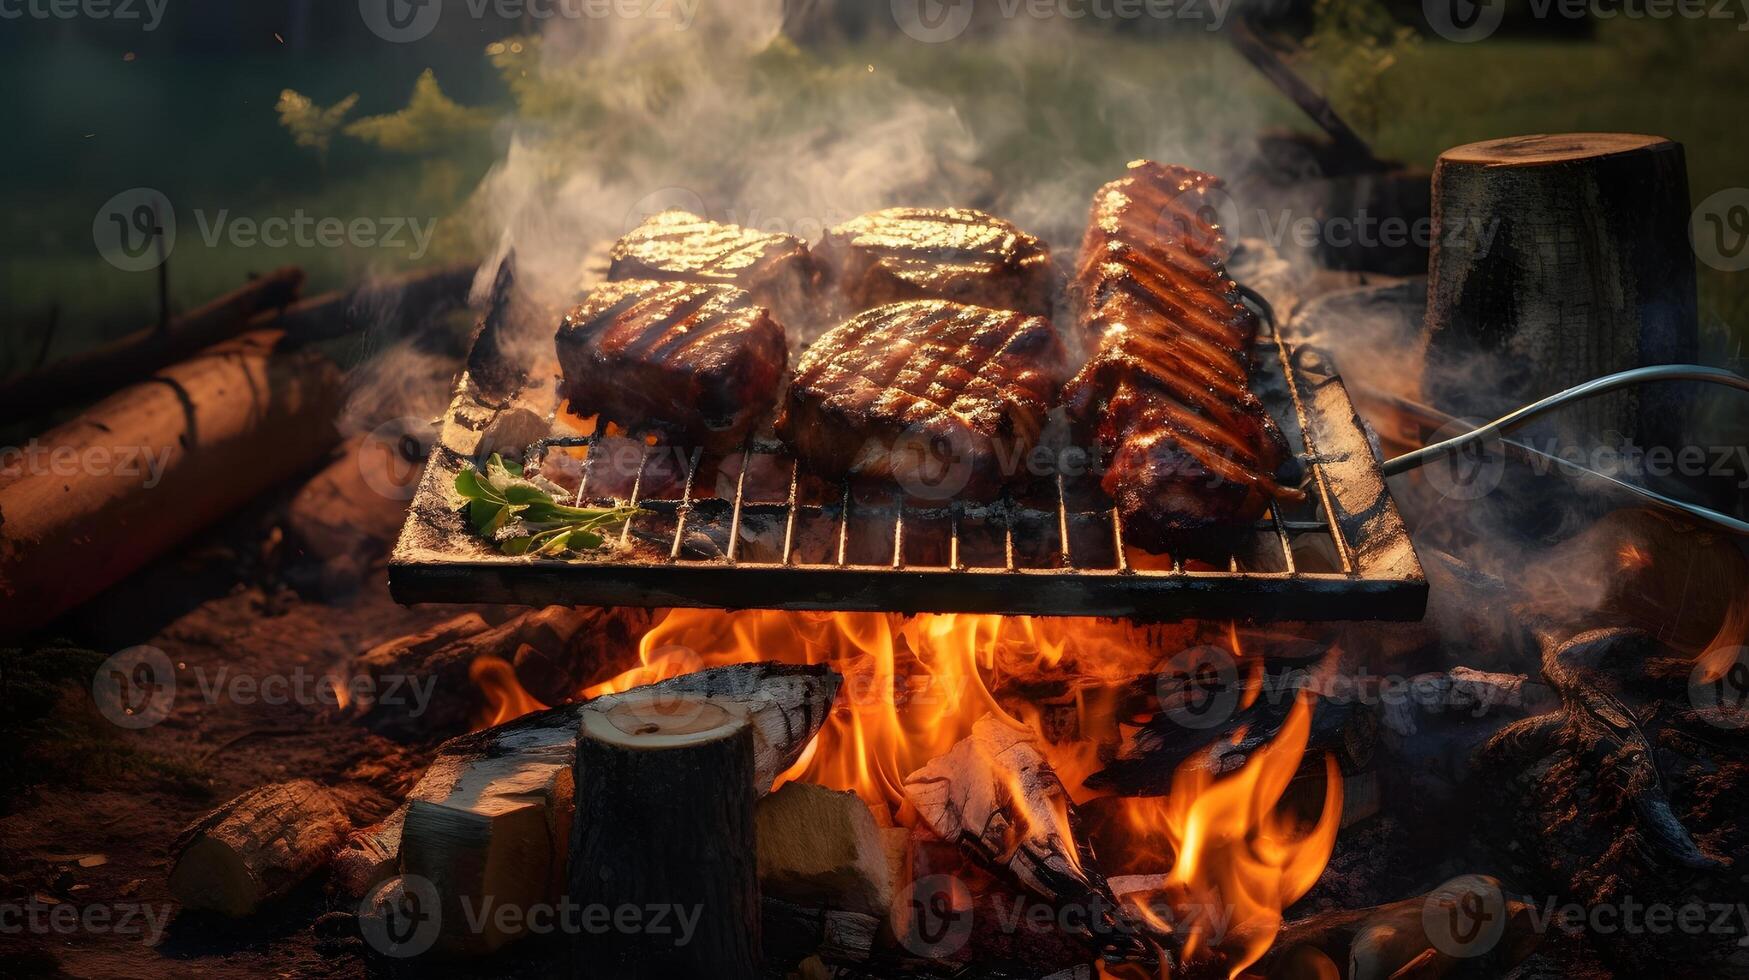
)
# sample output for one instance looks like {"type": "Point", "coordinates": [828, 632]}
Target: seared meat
{"type": "Point", "coordinates": [697, 362]}
{"type": "Point", "coordinates": [1166, 396]}
{"type": "Point", "coordinates": [938, 253]}
{"type": "Point", "coordinates": [946, 399]}
{"type": "Point", "coordinates": [677, 245]}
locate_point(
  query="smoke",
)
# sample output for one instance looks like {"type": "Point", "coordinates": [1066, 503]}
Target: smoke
{"type": "Point", "coordinates": [622, 117]}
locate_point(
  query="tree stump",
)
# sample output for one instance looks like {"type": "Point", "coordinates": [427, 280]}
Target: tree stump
{"type": "Point", "coordinates": [1556, 259]}
{"type": "Point", "coordinates": [665, 792]}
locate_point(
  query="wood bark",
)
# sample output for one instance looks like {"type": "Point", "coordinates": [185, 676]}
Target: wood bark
{"type": "Point", "coordinates": [665, 795]}
{"type": "Point", "coordinates": [1557, 259]}
{"type": "Point", "coordinates": [486, 817]}
{"type": "Point", "coordinates": [105, 368]}
{"type": "Point", "coordinates": [93, 500]}
{"type": "Point", "coordinates": [256, 848]}
{"type": "Point", "coordinates": [389, 306]}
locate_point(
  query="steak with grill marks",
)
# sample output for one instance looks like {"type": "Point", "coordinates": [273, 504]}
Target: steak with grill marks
{"type": "Point", "coordinates": [1189, 450]}
{"type": "Point", "coordinates": [943, 398]}
{"type": "Point", "coordinates": [677, 245]}
{"type": "Point", "coordinates": [697, 362]}
{"type": "Point", "coordinates": [955, 254]}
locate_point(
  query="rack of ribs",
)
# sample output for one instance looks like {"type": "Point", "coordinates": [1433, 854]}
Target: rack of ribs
{"type": "Point", "coordinates": [776, 269]}
{"type": "Point", "coordinates": [692, 361]}
{"type": "Point", "coordinates": [954, 254]}
{"type": "Point", "coordinates": [1189, 451]}
{"type": "Point", "coordinates": [942, 398]}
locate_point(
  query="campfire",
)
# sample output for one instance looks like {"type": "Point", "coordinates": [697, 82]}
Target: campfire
{"type": "Point", "coordinates": [1004, 576]}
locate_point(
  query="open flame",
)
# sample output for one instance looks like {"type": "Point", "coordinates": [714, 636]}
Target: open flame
{"type": "Point", "coordinates": [1240, 858]}
{"type": "Point", "coordinates": [1232, 859]}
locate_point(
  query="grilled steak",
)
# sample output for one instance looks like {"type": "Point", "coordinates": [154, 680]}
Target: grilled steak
{"type": "Point", "coordinates": [677, 245]}
{"type": "Point", "coordinates": [1189, 450]}
{"type": "Point", "coordinates": [693, 361]}
{"type": "Point", "coordinates": [938, 253]}
{"type": "Point", "coordinates": [945, 399]}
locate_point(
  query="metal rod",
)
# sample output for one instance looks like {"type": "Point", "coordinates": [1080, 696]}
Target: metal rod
{"type": "Point", "coordinates": [735, 516]}
{"type": "Point", "coordinates": [1596, 386]}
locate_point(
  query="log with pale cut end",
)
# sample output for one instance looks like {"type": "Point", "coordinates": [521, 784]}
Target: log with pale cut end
{"type": "Point", "coordinates": [821, 847]}
{"type": "Point", "coordinates": [490, 817]}
{"type": "Point", "coordinates": [1556, 259]}
{"type": "Point", "coordinates": [793, 932]}
{"type": "Point", "coordinates": [665, 792]}
{"type": "Point", "coordinates": [256, 848]}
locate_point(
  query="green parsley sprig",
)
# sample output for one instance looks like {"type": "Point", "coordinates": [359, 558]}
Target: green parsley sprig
{"type": "Point", "coordinates": [523, 517]}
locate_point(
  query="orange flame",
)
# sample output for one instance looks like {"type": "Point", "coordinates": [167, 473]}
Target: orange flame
{"type": "Point", "coordinates": [913, 687]}
{"type": "Point", "coordinates": [1240, 860]}
{"type": "Point", "coordinates": [504, 696]}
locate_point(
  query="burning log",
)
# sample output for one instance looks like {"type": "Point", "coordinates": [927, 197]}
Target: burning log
{"type": "Point", "coordinates": [256, 848]}
{"type": "Point", "coordinates": [491, 818]}
{"type": "Point", "coordinates": [112, 365]}
{"type": "Point", "coordinates": [556, 651]}
{"type": "Point", "coordinates": [1557, 259]}
{"type": "Point", "coordinates": [665, 791]}
{"type": "Point", "coordinates": [154, 463]}
{"type": "Point", "coordinates": [994, 795]}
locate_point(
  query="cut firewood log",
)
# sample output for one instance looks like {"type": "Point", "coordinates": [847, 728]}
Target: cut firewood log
{"type": "Point", "coordinates": [93, 372]}
{"type": "Point", "coordinates": [556, 650]}
{"type": "Point", "coordinates": [994, 795]}
{"type": "Point", "coordinates": [665, 791]}
{"type": "Point", "coordinates": [256, 848]}
{"type": "Point", "coordinates": [1556, 259]}
{"type": "Point", "coordinates": [485, 818]}
{"type": "Point", "coordinates": [97, 498]}
{"type": "Point", "coordinates": [367, 858]}
{"type": "Point", "coordinates": [820, 847]}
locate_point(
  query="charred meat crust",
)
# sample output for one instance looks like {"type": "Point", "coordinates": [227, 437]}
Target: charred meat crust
{"type": "Point", "coordinates": [776, 269]}
{"type": "Point", "coordinates": [692, 361]}
{"type": "Point", "coordinates": [955, 254]}
{"type": "Point", "coordinates": [944, 398]}
{"type": "Point", "coordinates": [1166, 396]}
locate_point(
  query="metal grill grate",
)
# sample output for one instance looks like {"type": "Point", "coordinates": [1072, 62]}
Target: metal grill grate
{"type": "Point", "coordinates": [753, 529]}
